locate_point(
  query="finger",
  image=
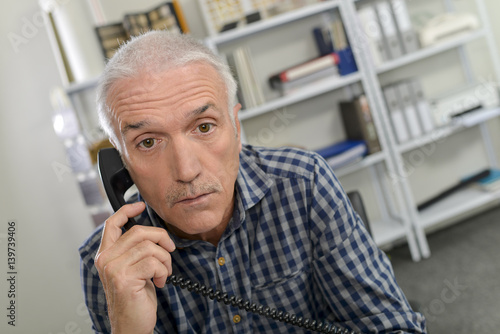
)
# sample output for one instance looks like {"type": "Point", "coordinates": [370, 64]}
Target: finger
{"type": "Point", "coordinates": [113, 225]}
{"type": "Point", "coordinates": [122, 279]}
{"type": "Point", "coordinates": [149, 268]}
{"type": "Point", "coordinates": [157, 235]}
{"type": "Point", "coordinates": [139, 242]}
{"type": "Point", "coordinates": [144, 250]}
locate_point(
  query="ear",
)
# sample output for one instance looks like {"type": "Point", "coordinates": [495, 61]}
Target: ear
{"type": "Point", "coordinates": [236, 109]}
{"type": "Point", "coordinates": [115, 144]}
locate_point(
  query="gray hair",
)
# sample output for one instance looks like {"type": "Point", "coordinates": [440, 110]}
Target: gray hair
{"type": "Point", "coordinates": [154, 52]}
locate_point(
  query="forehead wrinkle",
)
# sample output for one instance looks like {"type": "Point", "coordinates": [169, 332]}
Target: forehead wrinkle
{"type": "Point", "coordinates": [134, 126]}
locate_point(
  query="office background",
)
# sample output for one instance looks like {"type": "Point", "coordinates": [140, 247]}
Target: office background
{"type": "Point", "coordinates": [41, 195]}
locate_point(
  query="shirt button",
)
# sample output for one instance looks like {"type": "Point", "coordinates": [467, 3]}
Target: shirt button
{"type": "Point", "coordinates": [221, 261]}
{"type": "Point", "coordinates": [236, 319]}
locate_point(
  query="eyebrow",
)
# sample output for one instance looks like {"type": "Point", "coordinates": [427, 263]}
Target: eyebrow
{"type": "Point", "coordinates": [134, 126]}
{"type": "Point", "coordinates": [138, 125]}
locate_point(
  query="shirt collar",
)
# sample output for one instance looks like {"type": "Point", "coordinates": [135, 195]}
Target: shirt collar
{"type": "Point", "coordinates": [252, 182]}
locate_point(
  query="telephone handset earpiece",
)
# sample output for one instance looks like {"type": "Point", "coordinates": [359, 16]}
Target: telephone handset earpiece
{"type": "Point", "coordinates": [116, 181]}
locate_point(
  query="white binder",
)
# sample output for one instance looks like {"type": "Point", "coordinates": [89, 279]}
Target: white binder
{"type": "Point", "coordinates": [407, 35]}
{"type": "Point", "coordinates": [410, 110]}
{"type": "Point", "coordinates": [372, 34]}
{"type": "Point", "coordinates": [389, 29]}
{"type": "Point", "coordinates": [422, 105]}
{"type": "Point", "coordinates": [396, 114]}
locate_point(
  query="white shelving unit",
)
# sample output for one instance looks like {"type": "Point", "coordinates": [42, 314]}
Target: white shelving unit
{"type": "Point", "coordinates": [409, 223]}
{"type": "Point", "coordinates": [399, 219]}
{"type": "Point", "coordinates": [394, 224]}
{"type": "Point", "coordinates": [465, 201]}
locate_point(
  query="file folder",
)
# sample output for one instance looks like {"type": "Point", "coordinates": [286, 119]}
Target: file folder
{"type": "Point", "coordinates": [372, 34]}
{"type": "Point", "coordinates": [410, 110]}
{"type": "Point", "coordinates": [396, 115]}
{"type": "Point", "coordinates": [422, 105]}
{"type": "Point", "coordinates": [407, 35]}
{"type": "Point", "coordinates": [389, 30]}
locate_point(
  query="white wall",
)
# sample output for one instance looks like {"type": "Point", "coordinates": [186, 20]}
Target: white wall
{"type": "Point", "coordinates": [47, 207]}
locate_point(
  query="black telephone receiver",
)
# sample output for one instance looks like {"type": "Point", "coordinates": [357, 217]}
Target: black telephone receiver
{"type": "Point", "coordinates": [116, 181]}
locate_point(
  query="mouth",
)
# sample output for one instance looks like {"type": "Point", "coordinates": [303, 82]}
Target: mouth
{"type": "Point", "coordinates": [194, 200]}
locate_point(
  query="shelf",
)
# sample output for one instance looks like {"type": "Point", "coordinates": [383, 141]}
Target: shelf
{"type": "Point", "coordinates": [459, 123]}
{"type": "Point", "coordinates": [456, 205]}
{"type": "Point", "coordinates": [276, 21]}
{"type": "Point", "coordinates": [367, 161]}
{"type": "Point", "coordinates": [304, 93]}
{"type": "Point", "coordinates": [387, 232]}
{"type": "Point", "coordinates": [431, 51]}
{"type": "Point", "coordinates": [81, 86]}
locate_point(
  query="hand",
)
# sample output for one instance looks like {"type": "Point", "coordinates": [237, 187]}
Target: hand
{"type": "Point", "coordinates": [126, 264]}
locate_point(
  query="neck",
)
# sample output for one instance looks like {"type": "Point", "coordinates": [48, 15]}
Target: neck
{"type": "Point", "coordinates": [212, 236]}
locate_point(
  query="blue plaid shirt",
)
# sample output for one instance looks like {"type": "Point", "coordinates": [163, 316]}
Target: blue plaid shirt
{"type": "Point", "coordinates": [294, 243]}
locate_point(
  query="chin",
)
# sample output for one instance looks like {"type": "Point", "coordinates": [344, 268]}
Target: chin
{"type": "Point", "coordinates": [196, 228]}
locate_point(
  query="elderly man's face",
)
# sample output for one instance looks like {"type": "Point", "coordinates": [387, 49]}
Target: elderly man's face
{"type": "Point", "coordinates": [180, 147]}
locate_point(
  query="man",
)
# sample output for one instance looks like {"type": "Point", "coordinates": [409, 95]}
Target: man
{"type": "Point", "coordinates": [272, 226]}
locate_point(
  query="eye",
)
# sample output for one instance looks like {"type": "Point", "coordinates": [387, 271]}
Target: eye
{"type": "Point", "coordinates": [205, 127]}
{"type": "Point", "coordinates": [147, 143]}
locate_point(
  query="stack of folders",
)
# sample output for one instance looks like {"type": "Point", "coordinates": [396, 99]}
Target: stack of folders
{"type": "Point", "coordinates": [387, 29]}
{"type": "Point", "coordinates": [343, 153]}
{"type": "Point", "coordinates": [249, 91]}
{"type": "Point", "coordinates": [302, 74]}
{"type": "Point", "coordinates": [409, 110]}
{"type": "Point", "coordinates": [359, 124]}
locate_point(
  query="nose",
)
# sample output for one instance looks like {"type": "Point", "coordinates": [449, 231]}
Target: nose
{"type": "Point", "coordinates": [186, 166]}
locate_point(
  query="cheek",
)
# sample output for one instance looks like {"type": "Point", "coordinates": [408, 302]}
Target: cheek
{"type": "Point", "coordinates": [151, 179]}
{"type": "Point", "coordinates": [228, 164]}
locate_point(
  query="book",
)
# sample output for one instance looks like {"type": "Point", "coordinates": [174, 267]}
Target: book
{"type": "Point", "coordinates": [304, 69]}
{"type": "Point", "coordinates": [323, 40]}
{"type": "Point", "coordinates": [347, 63]}
{"type": "Point", "coordinates": [250, 92]}
{"type": "Point", "coordinates": [343, 153]}
{"type": "Point", "coordinates": [359, 124]}
{"type": "Point", "coordinates": [320, 77]}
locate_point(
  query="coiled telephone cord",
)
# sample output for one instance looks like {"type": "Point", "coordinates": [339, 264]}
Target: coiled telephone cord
{"type": "Point", "coordinates": [272, 313]}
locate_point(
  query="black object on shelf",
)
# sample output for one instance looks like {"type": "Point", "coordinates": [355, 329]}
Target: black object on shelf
{"type": "Point", "coordinates": [462, 184]}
